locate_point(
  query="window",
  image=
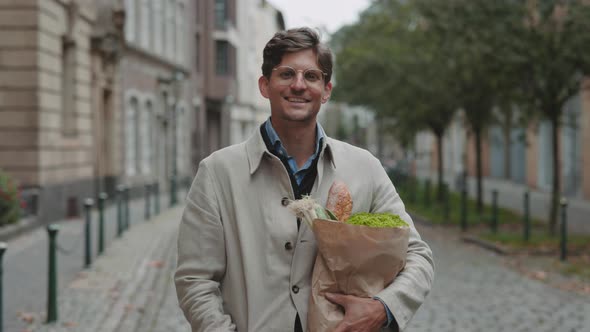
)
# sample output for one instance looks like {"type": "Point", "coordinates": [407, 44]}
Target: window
{"type": "Point", "coordinates": [131, 137]}
{"type": "Point", "coordinates": [130, 11]}
{"type": "Point", "coordinates": [157, 26]}
{"type": "Point", "coordinates": [197, 55]}
{"type": "Point", "coordinates": [147, 138]}
{"type": "Point", "coordinates": [145, 23]}
{"type": "Point", "coordinates": [180, 42]}
{"type": "Point", "coordinates": [170, 30]}
{"type": "Point", "coordinates": [68, 87]}
{"type": "Point", "coordinates": [222, 57]}
{"type": "Point", "coordinates": [221, 14]}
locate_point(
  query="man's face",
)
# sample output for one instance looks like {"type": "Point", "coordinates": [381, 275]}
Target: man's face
{"type": "Point", "coordinates": [291, 90]}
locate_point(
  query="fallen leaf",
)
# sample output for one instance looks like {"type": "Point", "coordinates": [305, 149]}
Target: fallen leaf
{"type": "Point", "coordinates": [539, 275]}
{"type": "Point", "coordinates": [156, 264]}
{"type": "Point", "coordinates": [129, 307]}
{"type": "Point", "coordinates": [27, 317]}
{"type": "Point", "coordinates": [70, 324]}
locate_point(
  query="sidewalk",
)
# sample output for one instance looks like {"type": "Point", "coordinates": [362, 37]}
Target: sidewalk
{"type": "Point", "coordinates": [128, 288]}
{"type": "Point", "coordinates": [511, 196]}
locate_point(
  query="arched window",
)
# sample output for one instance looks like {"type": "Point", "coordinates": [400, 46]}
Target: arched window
{"type": "Point", "coordinates": [130, 21]}
{"type": "Point", "coordinates": [147, 138]}
{"type": "Point", "coordinates": [131, 137]}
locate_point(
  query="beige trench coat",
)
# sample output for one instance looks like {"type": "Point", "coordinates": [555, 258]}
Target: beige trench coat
{"type": "Point", "coordinates": [242, 264]}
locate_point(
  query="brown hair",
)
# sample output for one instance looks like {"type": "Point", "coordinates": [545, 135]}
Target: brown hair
{"type": "Point", "coordinates": [294, 40]}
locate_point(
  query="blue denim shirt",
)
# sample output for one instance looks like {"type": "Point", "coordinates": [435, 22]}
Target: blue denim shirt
{"type": "Point", "coordinates": [300, 172]}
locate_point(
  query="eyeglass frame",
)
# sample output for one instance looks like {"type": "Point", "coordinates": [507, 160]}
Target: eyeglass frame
{"type": "Point", "coordinates": [303, 71]}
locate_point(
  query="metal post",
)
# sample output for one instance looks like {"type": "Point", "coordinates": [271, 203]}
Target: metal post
{"type": "Point", "coordinates": [464, 209]}
{"type": "Point", "coordinates": [127, 213]}
{"type": "Point", "coordinates": [119, 210]}
{"type": "Point", "coordinates": [101, 201]}
{"type": "Point", "coordinates": [157, 197]}
{"type": "Point", "coordinates": [87, 232]}
{"type": "Point", "coordinates": [52, 277]}
{"type": "Point", "coordinates": [427, 193]}
{"type": "Point", "coordinates": [494, 224]}
{"type": "Point", "coordinates": [527, 221]}
{"type": "Point", "coordinates": [446, 203]}
{"type": "Point", "coordinates": [2, 250]}
{"type": "Point", "coordinates": [563, 229]}
{"type": "Point", "coordinates": [147, 201]}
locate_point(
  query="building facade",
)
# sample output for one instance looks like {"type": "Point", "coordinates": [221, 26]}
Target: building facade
{"type": "Point", "coordinates": [158, 92]}
{"type": "Point", "coordinates": [523, 156]}
{"type": "Point", "coordinates": [57, 81]}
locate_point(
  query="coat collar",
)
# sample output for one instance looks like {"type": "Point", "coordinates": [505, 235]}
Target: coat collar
{"type": "Point", "coordinates": [256, 150]}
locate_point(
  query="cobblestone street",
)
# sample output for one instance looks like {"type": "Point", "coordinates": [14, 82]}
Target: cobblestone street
{"type": "Point", "coordinates": [473, 291]}
{"type": "Point", "coordinates": [130, 289]}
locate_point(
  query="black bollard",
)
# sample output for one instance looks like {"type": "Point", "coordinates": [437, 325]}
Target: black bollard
{"type": "Point", "coordinates": [427, 193]}
{"type": "Point", "coordinates": [563, 229]}
{"type": "Point", "coordinates": [173, 193]}
{"type": "Point", "coordinates": [127, 213]}
{"type": "Point", "coordinates": [526, 218]}
{"type": "Point", "coordinates": [2, 250]}
{"type": "Point", "coordinates": [87, 232]}
{"type": "Point", "coordinates": [464, 209]}
{"type": "Point", "coordinates": [157, 197]}
{"type": "Point", "coordinates": [52, 230]}
{"type": "Point", "coordinates": [101, 201]}
{"type": "Point", "coordinates": [119, 210]}
{"type": "Point", "coordinates": [494, 224]}
{"type": "Point", "coordinates": [446, 203]}
{"type": "Point", "coordinates": [147, 201]}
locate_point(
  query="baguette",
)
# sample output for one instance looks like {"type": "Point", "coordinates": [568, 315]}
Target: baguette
{"type": "Point", "coordinates": [339, 200]}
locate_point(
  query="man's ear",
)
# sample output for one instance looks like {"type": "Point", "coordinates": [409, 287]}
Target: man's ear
{"type": "Point", "coordinates": [327, 92]}
{"type": "Point", "coordinates": [263, 86]}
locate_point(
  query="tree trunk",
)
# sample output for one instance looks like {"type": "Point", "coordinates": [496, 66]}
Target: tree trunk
{"type": "Point", "coordinates": [477, 132]}
{"type": "Point", "coordinates": [556, 176]}
{"type": "Point", "coordinates": [439, 145]}
{"type": "Point", "coordinates": [507, 140]}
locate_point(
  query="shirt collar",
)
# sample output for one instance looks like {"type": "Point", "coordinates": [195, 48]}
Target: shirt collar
{"type": "Point", "coordinates": [278, 145]}
{"type": "Point", "coordinates": [256, 149]}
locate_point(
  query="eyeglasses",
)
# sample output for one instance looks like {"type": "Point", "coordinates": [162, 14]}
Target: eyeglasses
{"type": "Point", "coordinates": [286, 75]}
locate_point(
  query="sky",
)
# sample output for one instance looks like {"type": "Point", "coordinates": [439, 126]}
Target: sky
{"type": "Point", "coordinates": [328, 14]}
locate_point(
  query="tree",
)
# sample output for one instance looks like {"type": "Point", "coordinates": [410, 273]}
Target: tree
{"type": "Point", "coordinates": [553, 61]}
{"type": "Point", "coordinates": [388, 62]}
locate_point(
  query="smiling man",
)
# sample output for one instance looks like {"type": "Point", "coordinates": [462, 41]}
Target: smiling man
{"type": "Point", "coordinates": [244, 261]}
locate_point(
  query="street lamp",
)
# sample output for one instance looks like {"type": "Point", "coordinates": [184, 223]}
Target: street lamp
{"type": "Point", "coordinates": [175, 83]}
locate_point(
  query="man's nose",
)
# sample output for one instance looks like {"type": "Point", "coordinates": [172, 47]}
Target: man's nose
{"type": "Point", "coordinates": [298, 82]}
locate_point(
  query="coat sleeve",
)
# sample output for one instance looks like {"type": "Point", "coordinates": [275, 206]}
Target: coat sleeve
{"type": "Point", "coordinates": [201, 258]}
{"type": "Point", "coordinates": [410, 288]}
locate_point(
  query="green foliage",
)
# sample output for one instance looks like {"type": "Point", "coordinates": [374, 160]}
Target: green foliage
{"type": "Point", "coordinates": [377, 220]}
{"type": "Point", "coordinates": [10, 209]}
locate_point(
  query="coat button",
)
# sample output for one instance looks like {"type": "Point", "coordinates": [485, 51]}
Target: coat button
{"type": "Point", "coordinates": [288, 246]}
{"type": "Point", "coordinates": [285, 201]}
{"type": "Point", "coordinates": [295, 289]}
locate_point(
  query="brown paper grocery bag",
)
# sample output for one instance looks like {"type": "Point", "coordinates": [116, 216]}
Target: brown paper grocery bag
{"type": "Point", "coordinates": [353, 260]}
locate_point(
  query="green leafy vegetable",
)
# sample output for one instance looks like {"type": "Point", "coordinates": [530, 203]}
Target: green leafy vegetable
{"type": "Point", "coordinates": [377, 220]}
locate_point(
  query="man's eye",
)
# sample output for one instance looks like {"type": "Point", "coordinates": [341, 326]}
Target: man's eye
{"type": "Point", "coordinates": [312, 76]}
{"type": "Point", "coordinates": [286, 74]}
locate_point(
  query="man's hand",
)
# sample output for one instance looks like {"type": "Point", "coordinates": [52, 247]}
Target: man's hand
{"type": "Point", "coordinates": [360, 314]}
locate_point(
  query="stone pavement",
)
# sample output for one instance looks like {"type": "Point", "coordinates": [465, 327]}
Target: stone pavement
{"type": "Point", "coordinates": [129, 288]}
{"type": "Point", "coordinates": [511, 196]}
{"type": "Point", "coordinates": [475, 291]}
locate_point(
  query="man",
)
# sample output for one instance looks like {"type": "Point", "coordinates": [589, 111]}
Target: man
{"type": "Point", "coordinates": [244, 261]}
